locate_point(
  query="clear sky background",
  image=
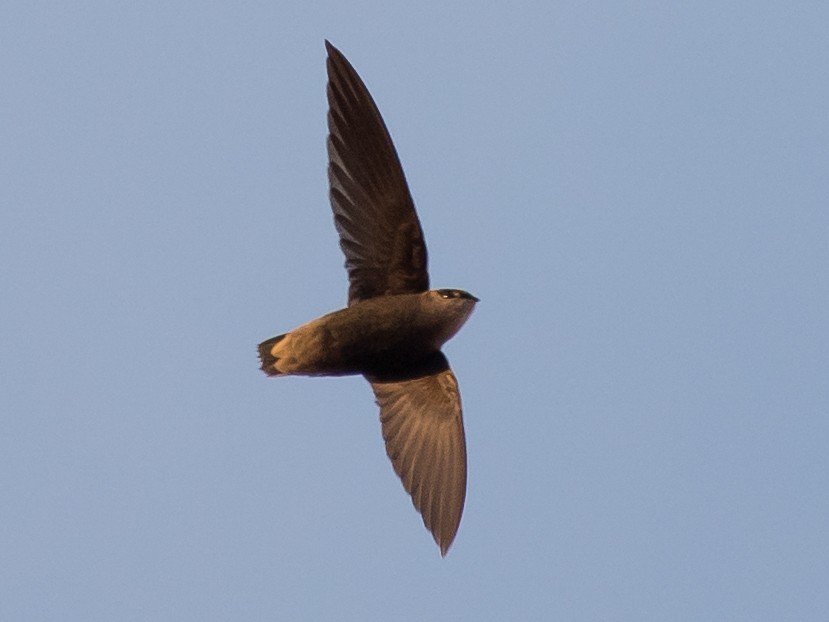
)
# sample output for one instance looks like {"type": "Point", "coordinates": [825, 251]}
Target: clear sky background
{"type": "Point", "coordinates": [637, 191]}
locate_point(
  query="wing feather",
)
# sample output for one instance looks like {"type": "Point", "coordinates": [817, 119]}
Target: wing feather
{"type": "Point", "coordinates": [423, 430]}
{"type": "Point", "coordinates": [375, 216]}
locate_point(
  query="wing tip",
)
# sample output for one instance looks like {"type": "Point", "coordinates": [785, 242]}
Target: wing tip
{"type": "Point", "coordinates": [333, 51]}
{"type": "Point", "coordinates": [444, 537]}
{"type": "Point", "coordinates": [444, 547]}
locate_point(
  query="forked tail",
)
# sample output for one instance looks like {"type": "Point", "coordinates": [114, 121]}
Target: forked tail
{"type": "Point", "coordinates": [267, 357]}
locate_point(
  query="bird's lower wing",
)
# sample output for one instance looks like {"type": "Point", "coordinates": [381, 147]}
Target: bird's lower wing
{"type": "Point", "coordinates": [423, 431]}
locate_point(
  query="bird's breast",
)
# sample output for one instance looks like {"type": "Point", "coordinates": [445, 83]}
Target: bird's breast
{"type": "Point", "coordinates": [392, 331]}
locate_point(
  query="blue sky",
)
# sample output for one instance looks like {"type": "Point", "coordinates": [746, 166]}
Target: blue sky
{"type": "Point", "coordinates": [637, 191]}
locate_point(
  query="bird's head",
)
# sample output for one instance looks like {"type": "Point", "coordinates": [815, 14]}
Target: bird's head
{"type": "Point", "coordinates": [451, 307]}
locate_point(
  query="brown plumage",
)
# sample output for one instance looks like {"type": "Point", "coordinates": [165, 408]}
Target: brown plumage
{"type": "Point", "coordinates": [394, 326]}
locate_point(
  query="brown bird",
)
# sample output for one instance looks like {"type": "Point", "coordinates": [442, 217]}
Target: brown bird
{"type": "Point", "coordinates": [394, 325]}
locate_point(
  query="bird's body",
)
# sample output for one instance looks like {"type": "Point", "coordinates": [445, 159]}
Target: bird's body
{"type": "Point", "coordinates": [375, 337]}
{"type": "Point", "coordinates": [394, 325]}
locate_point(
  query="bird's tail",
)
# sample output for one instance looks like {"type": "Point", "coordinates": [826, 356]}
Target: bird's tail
{"type": "Point", "coordinates": [267, 357]}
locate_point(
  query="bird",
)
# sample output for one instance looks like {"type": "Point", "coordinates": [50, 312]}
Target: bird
{"type": "Point", "coordinates": [394, 325]}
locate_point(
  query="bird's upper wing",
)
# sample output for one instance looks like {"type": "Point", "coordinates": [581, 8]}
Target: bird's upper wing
{"type": "Point", "coordinates": [423, 430]}
{"type": "Point", "coordinates": [373, 210]}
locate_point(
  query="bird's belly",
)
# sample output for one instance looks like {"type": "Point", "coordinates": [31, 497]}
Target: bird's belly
{"type": "Point", "coordinates": [345, 342]}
